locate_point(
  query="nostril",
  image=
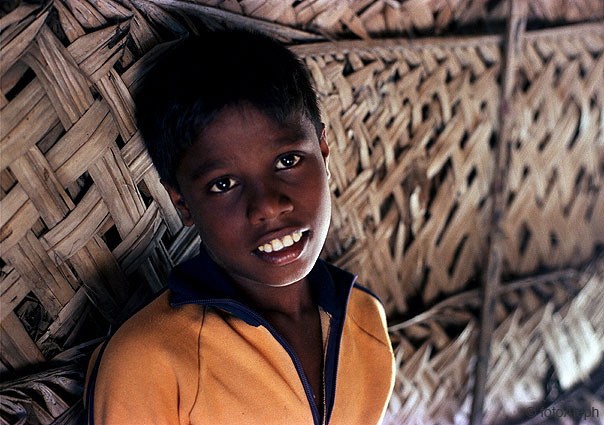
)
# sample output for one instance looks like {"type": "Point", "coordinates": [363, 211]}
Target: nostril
{"type": "Point", "coordinates": [268, 206]}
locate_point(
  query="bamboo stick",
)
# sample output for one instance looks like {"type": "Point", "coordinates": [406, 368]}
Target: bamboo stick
{"type": "Point", "coordinates": [514, 36]}
{"type": "Point", "coordinates": [467, 296]}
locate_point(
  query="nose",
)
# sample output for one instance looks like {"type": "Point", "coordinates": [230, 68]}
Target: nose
{"type": "Point", "coordinates": [267, 202]}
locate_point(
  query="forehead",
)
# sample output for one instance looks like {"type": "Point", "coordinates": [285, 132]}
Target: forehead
{"type": "Point", "coordinates": [244, 121]}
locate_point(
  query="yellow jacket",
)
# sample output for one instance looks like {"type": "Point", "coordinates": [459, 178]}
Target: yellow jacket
{"type": "Point", "coordinates": [196, 355]}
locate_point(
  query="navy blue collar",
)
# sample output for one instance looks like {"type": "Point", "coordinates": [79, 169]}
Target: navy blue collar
{"type": "Point", "coordinates": [200, 280]}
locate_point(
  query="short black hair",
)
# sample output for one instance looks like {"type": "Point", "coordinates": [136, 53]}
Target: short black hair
{"type": "Point", "coordinates": [187, 88]}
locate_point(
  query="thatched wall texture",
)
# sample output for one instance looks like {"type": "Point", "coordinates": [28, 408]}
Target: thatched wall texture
{"type": "Point", "coordinates": [415, 121]}
{"type": "Point", "coordinates": [88, 235]}
{"type": "Point", "coordinates": [548, 340]}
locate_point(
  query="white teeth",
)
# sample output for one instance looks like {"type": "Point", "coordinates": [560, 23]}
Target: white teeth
{"type": "Point", "coordinates": [279, 244]}
{"type": "Point", "coordinates": [288, 241]}
{"type": "Point", "coordinates": [265, 248]}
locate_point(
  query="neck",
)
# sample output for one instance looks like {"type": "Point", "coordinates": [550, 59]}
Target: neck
{"type": "Point", "coordinates": [292, 300]}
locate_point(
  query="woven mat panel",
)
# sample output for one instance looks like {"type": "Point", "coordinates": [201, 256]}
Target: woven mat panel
{"type": "Point", "coordinates": [85, 225]}
{"type": "Point", "coordinates": [540, 351]}
{"type": "Point", "coordinates": [549, 338]}
{"type": "Point", "coordinates": [410, 125]}
{"type": "Point", "coordinates": [555, 208]}
{"type": "Point", "coordinates": [370, 18]}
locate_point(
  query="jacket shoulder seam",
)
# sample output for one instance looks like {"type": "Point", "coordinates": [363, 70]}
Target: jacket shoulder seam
{"type": "Point", "coordinates": [364, 329]}
{"type": "Point", "coordinates": [369, 333]}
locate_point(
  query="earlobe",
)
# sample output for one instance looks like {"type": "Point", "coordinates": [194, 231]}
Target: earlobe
{"type": "Point", "coordinates": [180, 204]}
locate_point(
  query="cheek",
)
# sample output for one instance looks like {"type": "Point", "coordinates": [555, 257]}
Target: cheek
{"type": "Point", "coordinates": [319, 197]}
{"type": "Point", "coordinates": [326, 204]}
{"type": "Point", "coordinates": [220, 242]}
{"type": "Point", "coordinates": [216, 226]}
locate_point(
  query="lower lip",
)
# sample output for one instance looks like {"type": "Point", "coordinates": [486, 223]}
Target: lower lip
{"type": "Point", "coordinates": [286, 255]}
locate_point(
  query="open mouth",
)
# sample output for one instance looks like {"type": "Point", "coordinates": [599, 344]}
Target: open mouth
{"type": "Point", "coordinates": [278, 244]}
{"type": "Point", "coordinates": [285, 249]}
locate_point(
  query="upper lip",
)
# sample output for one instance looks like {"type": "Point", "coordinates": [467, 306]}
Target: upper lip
{"type": "Point", "coordinates": [278, 233]}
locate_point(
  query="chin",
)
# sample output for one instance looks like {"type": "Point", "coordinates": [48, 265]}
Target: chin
{"type": "Point", "coordinates": [289, 277]}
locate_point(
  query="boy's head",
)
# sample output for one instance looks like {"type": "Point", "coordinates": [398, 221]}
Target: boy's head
{"type": "Point", "coordinates": [192, 83]}
{"type": "Point", "coordinates": [233, 126]}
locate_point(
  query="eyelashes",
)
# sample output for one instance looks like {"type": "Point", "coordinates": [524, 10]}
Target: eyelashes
{"type": "Point", "coordinates": [225, 184]}
{"type": "Point", "coordinates": [288, 161]}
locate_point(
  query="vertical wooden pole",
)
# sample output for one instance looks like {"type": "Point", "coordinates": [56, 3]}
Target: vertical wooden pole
{"type": "Point", "coordinates": [514, 34]}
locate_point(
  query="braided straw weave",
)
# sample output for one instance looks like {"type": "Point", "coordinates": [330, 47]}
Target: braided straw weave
{"type": "Point", "coordinates": [368, 19]}
{"type": "Point", "coordinates": [549, 337]}
{"type": "Point", "coordinates": [412, 123]}
{"type": "Point", "coordinates": [87, 233]}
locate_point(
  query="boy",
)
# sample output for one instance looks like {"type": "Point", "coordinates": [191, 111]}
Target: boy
{"type": "Point", "coordinates": [255, 329]}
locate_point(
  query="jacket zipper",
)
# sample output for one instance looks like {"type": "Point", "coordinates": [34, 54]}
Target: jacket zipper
{"type": "Point", "coordinates": [305, 384]}
{"type": "Point", "coordinates": [324, 374]}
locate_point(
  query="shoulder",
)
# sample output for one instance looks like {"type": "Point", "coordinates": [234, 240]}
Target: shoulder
{"type": "Point", "coordinates": [155, 333]}
{"type": "Point", "coordinates": [148, 368]}
{"type": "Point", "coordinates": [367, 312]}
{"type": "Point", "coordinates": [153, 353]}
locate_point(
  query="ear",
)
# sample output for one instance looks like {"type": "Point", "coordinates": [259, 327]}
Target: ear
{"type": "Point", "coordinates": [179, 202]}
{"type": "Point", "coordinates": [324, 149]}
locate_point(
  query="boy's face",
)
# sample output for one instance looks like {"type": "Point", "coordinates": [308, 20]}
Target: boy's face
{"type": "Point", "coordinates": [258, 194]}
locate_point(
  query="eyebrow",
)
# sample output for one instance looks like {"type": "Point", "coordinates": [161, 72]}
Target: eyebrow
{"type": "Point", "coordinates": [293, 136]}
{"type": "Point", "coordinates": [206, 167]}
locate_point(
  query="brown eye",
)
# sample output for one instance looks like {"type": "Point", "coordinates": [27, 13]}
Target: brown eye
{"type": "Point", "coordinates": [223, 185]}
{"type": "Point", "coordinates": [288, 161]}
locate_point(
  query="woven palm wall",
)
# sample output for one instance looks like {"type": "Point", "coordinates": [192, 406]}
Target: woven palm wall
{"type": "Point", "coordinates": [415, 123]}
{"type": "Point", "coordinates": [548, 342]}
{"type": "Point", "coordinates": [87, 234]}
